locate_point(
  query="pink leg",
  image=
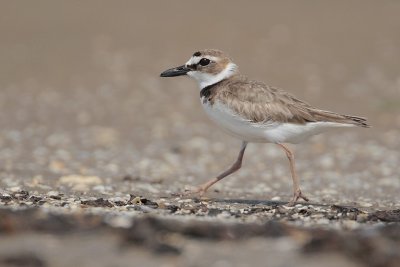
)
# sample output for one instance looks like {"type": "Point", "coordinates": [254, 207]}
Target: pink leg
{"type": "Point", "coordinates": [236, 166]}
{"type": "Point", "coordinates": [296, 185]}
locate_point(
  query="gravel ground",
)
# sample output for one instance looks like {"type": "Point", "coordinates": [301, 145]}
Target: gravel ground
{"type": "Point", "coordinates": [37, 229]}
{"type": "Point", "coordinates": [95, 148]}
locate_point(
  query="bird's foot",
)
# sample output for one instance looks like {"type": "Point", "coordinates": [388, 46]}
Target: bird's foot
{"type": "Point", "coordinates": [199, 190]}
{"type": "Point", "coordinates": [296, 196]}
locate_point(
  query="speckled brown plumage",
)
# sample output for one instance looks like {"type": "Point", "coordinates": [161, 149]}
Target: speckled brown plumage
{"type": "Point", "coordinates": [259, 103]}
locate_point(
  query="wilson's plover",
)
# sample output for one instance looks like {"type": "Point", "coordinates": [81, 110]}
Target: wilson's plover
{"type": "Point", "coordinates": [255, 112]}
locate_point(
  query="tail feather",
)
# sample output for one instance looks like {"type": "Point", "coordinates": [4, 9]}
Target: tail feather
{"type": "Point", "coordinates": [323, 115]}
{"type": "Point", "coordinates": [359, 121]}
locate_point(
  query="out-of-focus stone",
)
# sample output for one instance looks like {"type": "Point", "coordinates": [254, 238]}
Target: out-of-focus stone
{"type": "Point", "coordinates": [80, 182]}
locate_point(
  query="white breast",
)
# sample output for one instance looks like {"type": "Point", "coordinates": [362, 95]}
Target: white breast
{"type": "Point", "coordinates": [268, 132]}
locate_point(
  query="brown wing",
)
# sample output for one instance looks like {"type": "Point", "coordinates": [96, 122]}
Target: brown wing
{"type": "Point", "coordinates": [261, 103]}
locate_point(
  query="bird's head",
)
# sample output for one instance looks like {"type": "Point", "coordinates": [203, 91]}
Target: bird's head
{"type": "Point", "coordinates": [207, 67]}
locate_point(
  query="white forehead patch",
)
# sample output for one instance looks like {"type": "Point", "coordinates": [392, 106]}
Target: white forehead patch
{"type": "Point", "coordinates": [195, 60]}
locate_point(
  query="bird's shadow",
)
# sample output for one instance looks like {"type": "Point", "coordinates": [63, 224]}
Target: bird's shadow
{"type": "Point", "coordinates": [261, 202]}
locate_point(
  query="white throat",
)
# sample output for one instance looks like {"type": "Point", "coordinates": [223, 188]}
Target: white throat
{"type": "Point", "coordinates": [206, 79]}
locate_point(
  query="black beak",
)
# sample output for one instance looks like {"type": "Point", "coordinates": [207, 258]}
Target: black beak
{"type": "Point", "coordinates": [178, 71]}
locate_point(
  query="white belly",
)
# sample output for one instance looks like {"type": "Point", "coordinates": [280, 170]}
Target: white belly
{"type": "Point", "coordinates": [268, 132]}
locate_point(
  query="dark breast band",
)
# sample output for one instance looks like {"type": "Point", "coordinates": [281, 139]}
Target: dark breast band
{"type": "Point", "coordinates": [207, 91]}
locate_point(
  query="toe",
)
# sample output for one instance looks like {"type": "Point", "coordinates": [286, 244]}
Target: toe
{"type": "Point", "coordinates": [305, 198]}
{"type": "Point", "coordinates": [301, 195]}
{"type": "Point", "coordinates": [198, 190]}
{"type": "Point", "coordinates": [296, 196]}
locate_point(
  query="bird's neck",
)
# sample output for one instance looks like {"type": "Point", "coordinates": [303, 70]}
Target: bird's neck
{"type": "Point", "coordinates": [207, 79]}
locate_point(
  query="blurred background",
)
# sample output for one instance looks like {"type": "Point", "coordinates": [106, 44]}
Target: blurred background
{"type": "Point", "coordinates": [80, 92]}
{"type": "Point", "coordinates": [85, 121]}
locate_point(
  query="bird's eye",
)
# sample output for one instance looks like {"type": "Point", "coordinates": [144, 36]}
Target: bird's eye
{"type": "Point", "coordinates": [204, 61]}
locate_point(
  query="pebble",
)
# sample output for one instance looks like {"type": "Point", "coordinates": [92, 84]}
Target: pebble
{"type": "Point", "coordinates": [188, 200]}
{"type": "Point", "coordinates": [365, 204]}
{"type": "Point", "coordinates": [14, 189]}
{"type": "Point", "coordinates": [317, 216]}
{"type": "Point", "coordinates": [54, 194]}
{"type": "Point", "coordinates": [80, 182]}
{"type": "Point", "coordinates": [102, 189]}
{"type": "Point", "coordinates": [119, 199]}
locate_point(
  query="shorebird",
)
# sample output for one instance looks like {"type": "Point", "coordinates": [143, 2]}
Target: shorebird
{"type": "Point", "coordinates": [255, 112]}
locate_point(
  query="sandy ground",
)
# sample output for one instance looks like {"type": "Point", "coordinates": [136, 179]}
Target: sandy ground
{"type": "Point", "coordinates": [94, 145]}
